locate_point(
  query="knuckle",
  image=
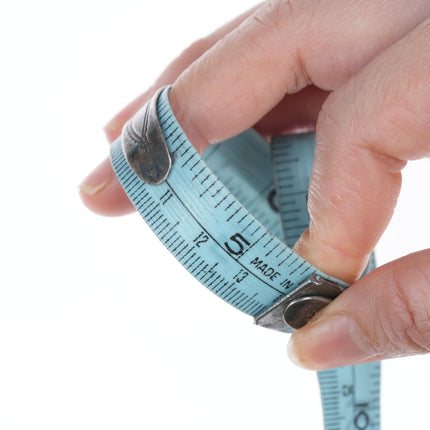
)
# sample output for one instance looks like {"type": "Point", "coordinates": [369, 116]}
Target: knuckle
{"type": "Point", "coordinates": [273, 15]}
{"type": "Point", "coordinates": [278, 9]}
{"type": "Point", "coordinates": [287, 22]}
{"type": "Point", "coordinates": [354, 126]}
{"type": "Point", "coordinates": [396, 108]}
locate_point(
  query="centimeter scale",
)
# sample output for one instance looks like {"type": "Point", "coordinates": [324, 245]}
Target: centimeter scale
{"type": "Point", "coordinates": [230, 218]}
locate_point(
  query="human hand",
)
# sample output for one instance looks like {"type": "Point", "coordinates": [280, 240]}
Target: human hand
{"type": "Point", "coordinates": [356, 70]}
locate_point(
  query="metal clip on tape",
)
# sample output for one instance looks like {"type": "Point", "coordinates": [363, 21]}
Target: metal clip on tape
{"type": "Point", "coordinates": [144, 146]}
{"type": "Point", "coordinates": [189, 201]}
{"type": "Point", "coordinates": [147, 153]}
{"type": "Point", "coordinates": [295, 309]}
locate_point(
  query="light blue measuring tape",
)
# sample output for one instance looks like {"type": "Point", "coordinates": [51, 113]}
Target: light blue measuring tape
{"type": "Point", "coordinates": [223, 215]}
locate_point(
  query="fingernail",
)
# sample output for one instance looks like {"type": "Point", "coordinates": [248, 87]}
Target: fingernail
{"type": "Point", "coordinates": [97, 179]}
{"type": "Point", "coordinates": [113, 128]}
{"type": "Point", "coordinates": [331, 341]}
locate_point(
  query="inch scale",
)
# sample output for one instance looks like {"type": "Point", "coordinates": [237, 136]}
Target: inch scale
{"type": "Point", "coordinates": [220, 215]}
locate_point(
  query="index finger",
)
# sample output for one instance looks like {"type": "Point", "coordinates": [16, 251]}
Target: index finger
{"type": "Point", "coordinates": [101, 191]}
{"type": "Point", "coordinates": [282, 48]}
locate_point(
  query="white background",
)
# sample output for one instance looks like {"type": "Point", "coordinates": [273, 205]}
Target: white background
{"type": "Point", "coordinates": [100, 328]}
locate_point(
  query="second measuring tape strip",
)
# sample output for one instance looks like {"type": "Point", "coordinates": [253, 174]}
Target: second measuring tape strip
{"type": "Point", "coordinates": [232, 247]}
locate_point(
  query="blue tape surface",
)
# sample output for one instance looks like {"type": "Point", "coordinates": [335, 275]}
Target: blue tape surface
{"type": "Point", "coordinates": [226, 230]}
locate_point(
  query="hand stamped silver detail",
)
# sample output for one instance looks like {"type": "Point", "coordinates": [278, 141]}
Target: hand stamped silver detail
{"type": "Point", "coordinates": [144, 145]}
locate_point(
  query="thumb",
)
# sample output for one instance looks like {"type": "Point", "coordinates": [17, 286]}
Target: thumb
{"type": "Point", "coordinates": [385, 314]}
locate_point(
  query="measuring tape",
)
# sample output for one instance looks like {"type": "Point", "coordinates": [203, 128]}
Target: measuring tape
{"type": "Point", "coordinates": [223, 215]}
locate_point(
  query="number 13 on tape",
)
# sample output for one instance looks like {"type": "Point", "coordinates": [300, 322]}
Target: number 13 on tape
{"type": "Point", "coordinates": [228, 217]}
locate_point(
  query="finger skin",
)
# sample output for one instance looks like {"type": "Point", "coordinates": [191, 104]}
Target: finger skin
{"type": "Point", "coordinates": [260, 23]}
{"type": "Point", "coordinates": [101, 191]}
{"type": "Point", "coordinates": [280, 49]}
{"type": "Point", "coordinates": [384, 315]}
{"type": "Point", "coordinates": [173, 70]}
{"type": "Point", "coordinates": [366, 132]}
{"type": "Point", "coordinates": [297, 44]}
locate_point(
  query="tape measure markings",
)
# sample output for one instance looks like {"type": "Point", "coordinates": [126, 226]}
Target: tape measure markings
{"type": "Point", "coordinates": [293, 154]}
{"type": "Point", "coordinates": [243, 241]}
{"type": "Point", "coordinates": [145, 207]}
{"type": "Point", "coordinates": [219, 244]}
{"type": "Point", "coordinates": [192, 209]}
{"type": "Point", "coordinates": [350, 395]}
